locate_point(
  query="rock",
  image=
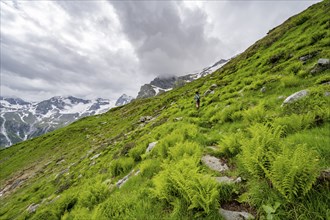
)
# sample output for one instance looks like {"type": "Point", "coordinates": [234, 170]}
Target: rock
{"type": "Point", "coordinates": [213, 86]}
{"type": "Point", "coordinates": [305, 58]}
{"type": "Point", "coordinates": [178, 119]}
{"type": "Point", "coordinates": [207, 92]}
{"type": "Point", "coordinates": [32, 208]}
{"type": "Point", "coordinates": [151, 146]}
{"type": "Point", "coordinates": [232, 215]}
{"type": "Point", "coordinates": [327, 94]}
{"type": "Point", "coordinates": [238, 180]}
{"type": "Point", "coordinates": [263, 89]}
{"type": "Point", "coordinates": [296, 96]}
{"type": "Point", "coordinates": [144, 119]}
{"type": "Point", "coordinates": [325, 175]}
{"type": "Point", "coordinates": [214, 163]}
{"type": "Point", "coordinates": [146, 91]}
{"type": "Point", "coordinates": [281, 97]}
{"type": "Point", "coordinates": [61, 174]}
{"type": "Point", "coordinates": [60, 162]}
{"type": "Point", "coordinates": [323, 62]}
{"type": "Point", "coordinates": [122, 181]}
{"type": "Point", "coordinates": [226, 179]}
{"type": "Point", "coordinates": [95, 156]}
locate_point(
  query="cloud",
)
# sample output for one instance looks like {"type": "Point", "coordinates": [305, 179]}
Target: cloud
{"type": "Point", "coordinates": [105, 48]}
{"type": "Point", "coordinates": [168, 37]}
{"type": "Point", "coordinates": [49, 42]}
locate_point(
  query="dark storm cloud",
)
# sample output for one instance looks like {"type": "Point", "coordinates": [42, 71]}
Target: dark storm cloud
{"type": "Point", "coordinates": [168, 37]}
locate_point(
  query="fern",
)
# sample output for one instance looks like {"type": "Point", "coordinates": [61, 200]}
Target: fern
{"type": "Point", "coordinates": [260, 149]}
{"type": "Point", "coordinates": [181, 184]}
{"type": "Point", "coordinates": [231, 144]}
{"type": "Point", "coordinates": [294, 172]}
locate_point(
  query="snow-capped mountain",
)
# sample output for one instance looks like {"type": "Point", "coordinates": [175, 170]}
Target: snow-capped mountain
{"type": "Point", "coordinates": [163, 84]}
{"type": "Point", "coordinates": [21, 120]}
{"type": "Point", "coordinates": [123, 100]}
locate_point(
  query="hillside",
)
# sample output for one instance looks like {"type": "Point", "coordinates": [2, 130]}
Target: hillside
{"type": "Point", "coordinates": [150, 158]}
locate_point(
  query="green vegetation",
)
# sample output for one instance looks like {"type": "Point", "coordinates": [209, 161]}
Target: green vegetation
{"type": "Point", "coordinates": [279, 151]}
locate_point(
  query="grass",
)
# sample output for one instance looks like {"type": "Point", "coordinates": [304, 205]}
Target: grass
{"type": "Point", "coordinates": [72, 172]}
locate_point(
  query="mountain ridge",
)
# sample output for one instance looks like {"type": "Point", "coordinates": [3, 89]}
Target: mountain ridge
{"type": "Point", "coordinates": [21, 120]}
{"type": "Point", "coordinates": [163, 84]}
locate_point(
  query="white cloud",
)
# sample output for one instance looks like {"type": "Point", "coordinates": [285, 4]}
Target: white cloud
{"type": "Point", "coordinates": [95, 49]}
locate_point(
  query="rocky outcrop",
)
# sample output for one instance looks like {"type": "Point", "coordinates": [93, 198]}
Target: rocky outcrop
{"type": "Point", "coordinates": [162, 84]}
{"type": "Point", "coordinates": [146, 91]}
{"type": "Point", "coordinates": [322, 64]}
{"type": "Point", "coordinates": [123, 100]}
{"type": "Point", "coordinates": [296, 96]}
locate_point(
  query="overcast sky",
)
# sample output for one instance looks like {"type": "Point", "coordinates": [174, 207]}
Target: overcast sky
{"type": "Point", "coordinates": [91, 49]}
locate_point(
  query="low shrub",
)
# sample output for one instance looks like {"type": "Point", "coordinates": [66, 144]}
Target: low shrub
{"type": "Point", "coordinates": [93, 194]}
{"type": "Point", "coordinates": [121, 165]}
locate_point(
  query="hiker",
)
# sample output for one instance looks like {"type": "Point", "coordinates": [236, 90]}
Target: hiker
{"type": "Point", "coordinates": [197, 99]}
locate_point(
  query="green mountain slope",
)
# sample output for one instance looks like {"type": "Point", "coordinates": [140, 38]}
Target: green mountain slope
{"type": "Point", "coordinates": [280, 151]}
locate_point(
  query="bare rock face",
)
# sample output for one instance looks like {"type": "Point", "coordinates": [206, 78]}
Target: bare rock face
{"type": "Point", "coordinates": [214, 163]}
{"type": "Point", "coordinates": [294, 97]}
{"type": "Point", "coordinates": [146, 91]}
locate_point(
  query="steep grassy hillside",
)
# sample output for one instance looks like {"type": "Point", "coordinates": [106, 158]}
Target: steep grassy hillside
{"type": "Point", "coordinates": [279, 151]}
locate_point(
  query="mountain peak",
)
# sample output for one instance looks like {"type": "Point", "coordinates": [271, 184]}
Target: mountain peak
{"type": "Point", "coordinates": [123, 100]}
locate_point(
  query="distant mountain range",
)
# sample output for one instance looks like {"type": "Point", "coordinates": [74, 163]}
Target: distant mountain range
{"type": "Point", "coordinates": [21, 120]}
{"type": "Point", "coordinates": [163, 84]}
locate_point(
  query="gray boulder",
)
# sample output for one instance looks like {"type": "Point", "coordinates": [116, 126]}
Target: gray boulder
{"type": "Point", "coordinates": [214, 163]}
{"type": "Point", "coordinates": [207, 92]}
{"type": "Point", "coordinates": [151, 146]}
{"type": "Point", "coordinates": [144, 119]}
{"type": "Point", "coordinates": [213, 86]}
{"type": "Point", "coordinates": [232, 215]}
{"type": "Point", "coordinates": [323, 62]}
{"type": "Point", "coordinates": [294, 97]}
{"type": "Point", "coordinates": [263, 89]}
